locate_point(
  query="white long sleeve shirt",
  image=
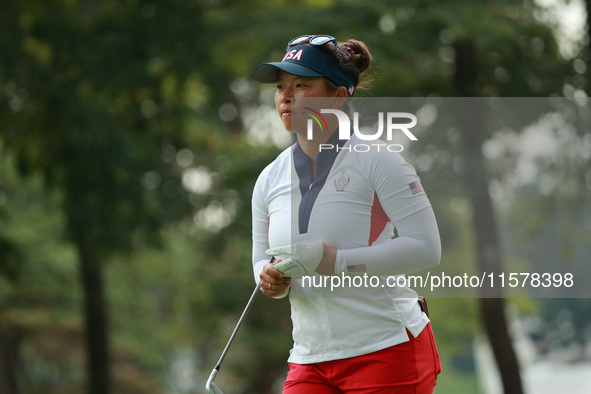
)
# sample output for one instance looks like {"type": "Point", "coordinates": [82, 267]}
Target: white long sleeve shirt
{"type": "Point", "coordinates": [372, 208]}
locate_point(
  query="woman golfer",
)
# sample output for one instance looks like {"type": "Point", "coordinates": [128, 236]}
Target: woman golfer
{"type": "Point", "coordinates": [328, 212]}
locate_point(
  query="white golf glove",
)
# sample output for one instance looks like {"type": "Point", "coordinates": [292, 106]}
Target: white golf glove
{"type": "Point", "coordinates": [298, 259]}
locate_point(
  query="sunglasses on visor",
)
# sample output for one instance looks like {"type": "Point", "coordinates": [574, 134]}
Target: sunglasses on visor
{"type": "Point", "coordinates": [313, 40]}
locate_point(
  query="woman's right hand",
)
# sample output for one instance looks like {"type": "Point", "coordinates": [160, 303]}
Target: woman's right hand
{"type": "Point", "coordinates": [273, 282]}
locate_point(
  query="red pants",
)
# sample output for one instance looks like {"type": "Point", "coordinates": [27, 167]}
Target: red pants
{"type": "Point", "coordinates": [407, 368]}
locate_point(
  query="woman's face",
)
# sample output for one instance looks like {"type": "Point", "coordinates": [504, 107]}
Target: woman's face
{"type": "Point", "coordinates": [290, 86]}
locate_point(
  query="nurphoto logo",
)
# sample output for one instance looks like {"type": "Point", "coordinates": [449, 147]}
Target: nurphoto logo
{"type": "Point", "coordinates": [390, 119]}
{"type": "Point", "coordinates": [319, 120]}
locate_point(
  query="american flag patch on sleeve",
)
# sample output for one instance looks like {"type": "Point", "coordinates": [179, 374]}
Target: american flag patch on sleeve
{"type": "Point", "coordinates": [357, 268]}
{"type": "Point", "coordinates": [415, 187]}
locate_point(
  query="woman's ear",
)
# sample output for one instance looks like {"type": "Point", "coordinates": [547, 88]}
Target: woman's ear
{"type": "Point", "coordinates": [340, 97]}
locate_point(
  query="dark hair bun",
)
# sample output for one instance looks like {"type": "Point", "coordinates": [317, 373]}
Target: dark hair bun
{"type": "Point", "coordinates": [359, 54]}
{"type": "Point", "coordinates": [352, 55]}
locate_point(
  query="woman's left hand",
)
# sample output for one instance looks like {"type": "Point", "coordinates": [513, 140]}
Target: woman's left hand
{"type": "Point", "coordinates": [306, 258]}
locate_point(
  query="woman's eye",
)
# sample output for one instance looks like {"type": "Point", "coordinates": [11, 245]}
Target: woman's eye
{"type": "Point", "coordinates": [300, 85]}
{"type": "Point", "coordinates": [279, 86]}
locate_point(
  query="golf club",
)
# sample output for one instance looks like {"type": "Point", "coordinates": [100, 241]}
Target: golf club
{"type": "Point", "coordinates": [210, 386]}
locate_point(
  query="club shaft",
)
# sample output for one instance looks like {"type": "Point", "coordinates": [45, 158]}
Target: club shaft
{"type": "Point", "coordinates": [244, 313]}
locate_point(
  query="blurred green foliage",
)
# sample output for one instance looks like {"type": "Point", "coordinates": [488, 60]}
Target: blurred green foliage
{"type": "Point", "coordinates": [123, 134]}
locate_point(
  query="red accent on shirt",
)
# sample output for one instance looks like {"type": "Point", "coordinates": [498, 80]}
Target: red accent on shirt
{"type": "Point", "coordinates": [378, 220]}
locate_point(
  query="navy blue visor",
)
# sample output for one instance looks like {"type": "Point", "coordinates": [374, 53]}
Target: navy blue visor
{"type": "Point", "coordinates": [306, 61]}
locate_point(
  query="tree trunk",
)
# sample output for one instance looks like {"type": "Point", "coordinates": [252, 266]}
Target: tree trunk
{"type": "Point", "coordinates": [97, 346]}
{"type": "Point", "coordinates": [588, 30]}
{"type": "Point", "coordinates": [8, 361]}
{"type": "Point", "coordinates": [483, 218]}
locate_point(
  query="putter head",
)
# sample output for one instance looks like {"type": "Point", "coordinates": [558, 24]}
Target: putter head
{"type": "Point", "coordinates": [210, 385]}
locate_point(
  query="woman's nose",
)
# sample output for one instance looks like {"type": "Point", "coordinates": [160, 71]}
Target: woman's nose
{"type": "Point", "coordinates": [286, 95]}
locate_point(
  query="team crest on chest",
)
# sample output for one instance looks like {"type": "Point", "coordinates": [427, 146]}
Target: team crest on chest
{"type": "Point", "coordinates": [341, 181]}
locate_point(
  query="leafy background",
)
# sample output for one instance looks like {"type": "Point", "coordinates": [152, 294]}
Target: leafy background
{"type": "Point", "coordinates": [131, 134]}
